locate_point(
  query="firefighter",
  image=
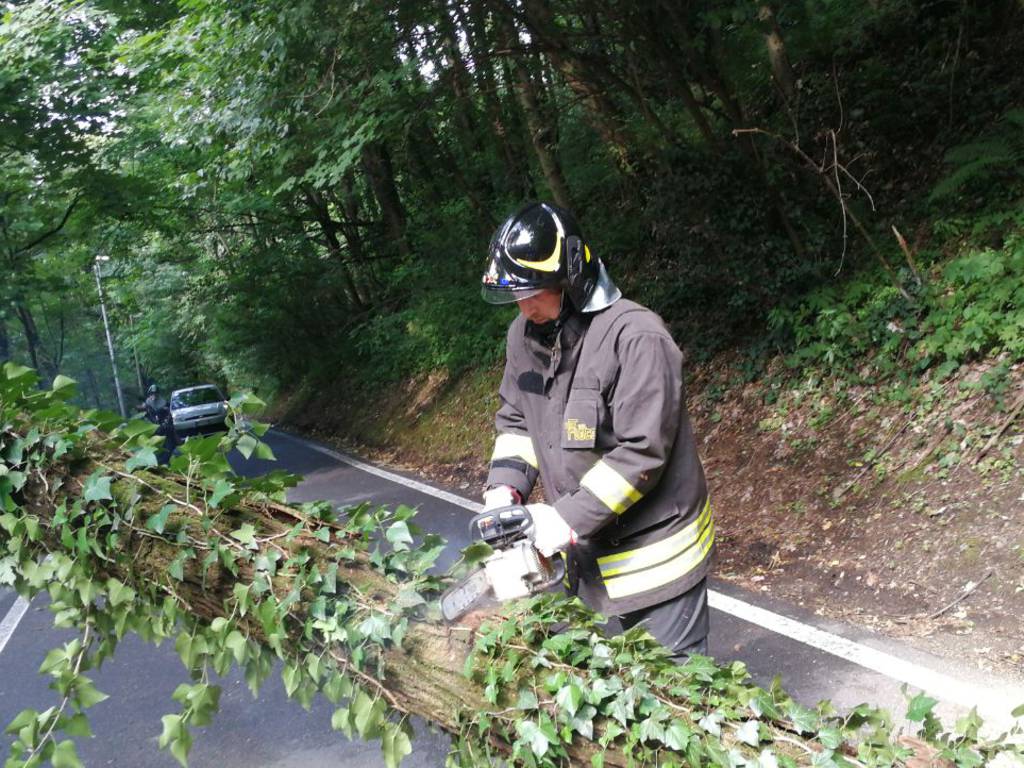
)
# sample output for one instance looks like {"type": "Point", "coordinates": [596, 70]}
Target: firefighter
{"type": "Point", "coordinates": [592, 403]}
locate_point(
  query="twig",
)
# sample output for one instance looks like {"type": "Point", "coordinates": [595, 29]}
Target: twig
{"type": "Point", "coordinates": [963, 595]}
{"type": "Point", "coordinates": [1017, 408]}
{"type": "Point", "coordinates": [906, 252]}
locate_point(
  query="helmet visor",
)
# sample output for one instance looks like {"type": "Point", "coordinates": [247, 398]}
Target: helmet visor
{"type": "Point", "coordinates": [494, 294]}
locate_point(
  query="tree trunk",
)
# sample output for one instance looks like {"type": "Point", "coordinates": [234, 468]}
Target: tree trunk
{"type": "Point", "coordinates": [580, 78]}
{"type": "Point", "coordinates": [329, 229]}
{"type": "Point", "coordinates": [541, 131]}
{"type": "Point", "coordinates": [516, 171]}
{"type": "Point", "coordinates": [5, 341]}
{"type": "Point", "coordinates": [28, 325]}
{"type": "Point", "coordinates": [782, 70]}
{"type": "Point", "coordinates": [376, 164]}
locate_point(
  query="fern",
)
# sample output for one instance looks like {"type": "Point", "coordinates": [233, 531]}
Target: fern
{"type": "Point", "coordinates": [982, 161]}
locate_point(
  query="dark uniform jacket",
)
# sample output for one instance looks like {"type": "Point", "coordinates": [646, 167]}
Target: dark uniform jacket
{"type": "Point", "coordinates": [595, 407]}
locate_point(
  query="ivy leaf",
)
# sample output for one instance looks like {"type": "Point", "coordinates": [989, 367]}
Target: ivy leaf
{"type": "Point", "coordinates": [804, 720]}
{"type": "Point", "coordinates": [97, 488]}
{"type": "Point", "coordinates": [263, 451]}
{"type": "Point", "coordinates": [920, 706]}
{"type": "Point", "coordinates": [341, 720]}
{"type": "Point", "coordinates": [118, 593]}
{"type": "Point", "coordinates": [368, 715]}
{"type": "Point", "coordinates": [236, 643]}
{"type": "Point", "coordinates": [395, 745]}
{"type": "Point", "coordinates": [748, 733]}
{"type": "Point", "coordinates": [1018, 712]}
{"type": "Point", "coordinates": [221, 490]}
{"type": "Point", "coordinates": [87, 694]}
{"type": "Point", "coordinates": [78, 725]}
{"type": "Point", "coordinates": [246, 534]}
{"type": "Point", "coordinates": [158, 521]}
{"type": "Point", "coordinates": [527, 699]}
{"type": "Point", "coordinates": [246, 445]}
{"type": "Point", "coordinates": [476, 552]}
{"type": "Point", "coordinates": [141, 459]}
{"type": "Point", "coordinates": [530, 732]}
{"type": "Point", "coordinates": [677, 736]}
{"type": "Point", "coordinates": [569, 698]}
{"type": "Point", "coordinates": [399, 536]}
{"type": "Point", "coordinates": [65, 756]}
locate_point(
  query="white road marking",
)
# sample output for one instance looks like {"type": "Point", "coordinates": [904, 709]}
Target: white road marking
{"type": "Point", "coordinates": [11, 620]}
{"type": "Point", "coordinates": [992, 701]}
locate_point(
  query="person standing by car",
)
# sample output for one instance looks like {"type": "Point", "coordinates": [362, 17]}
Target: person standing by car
{"type": "Point", "coordinates": [592, 402]}
{"type": "Point", "coordinates": [158, 411]}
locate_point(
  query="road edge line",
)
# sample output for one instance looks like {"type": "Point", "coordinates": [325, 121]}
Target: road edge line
{"type": "Point", "coordinates": [10, 622]}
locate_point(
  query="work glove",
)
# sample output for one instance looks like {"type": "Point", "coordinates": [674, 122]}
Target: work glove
{"type": "Point", "coordinates": [500, 496]}
{"type": "Point", "coordinates": [551, 533]}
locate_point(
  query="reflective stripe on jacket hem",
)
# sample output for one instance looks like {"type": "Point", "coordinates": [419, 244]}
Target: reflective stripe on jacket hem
{"type": "Point", "coordinates": [646, 568]}
{"type": "Point", "coordinates": [508, 446]}
{"type": "Point", "coordinates": [611, 488]}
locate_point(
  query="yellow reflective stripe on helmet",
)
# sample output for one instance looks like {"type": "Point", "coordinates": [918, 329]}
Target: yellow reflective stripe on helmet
{"type": "Point", "coordinates": [551, 263]}
{"type": "Point", "coordinates": [611, 488]}
{"type": "Point", "coordinates": [659, 552]}
{"type": "Point", "coordinates": [509, 446]}
{"type": "Point", "coordinates": [658, 576]}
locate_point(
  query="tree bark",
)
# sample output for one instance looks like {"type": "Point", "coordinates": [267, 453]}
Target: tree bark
{"type": "Point", "coordinates": [5, 341]}
{"type": "Point", "coordinates": [376, 164]}
{"type": "Point", "coordinates": [329, 228]}
{"type": "Point", "coordinates": [782, 70]}
{"type": "Point", "coordinates": [580, 78]}
{"type": "Point", "coordinates": [541, 131]}
{"type": "Point", "coordinates": [476, 28]}
{"type": "Point", "coordinates": [28, 325]}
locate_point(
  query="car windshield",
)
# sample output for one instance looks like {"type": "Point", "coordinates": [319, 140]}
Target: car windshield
{"type": "Point", "coordinates": [189, 397]}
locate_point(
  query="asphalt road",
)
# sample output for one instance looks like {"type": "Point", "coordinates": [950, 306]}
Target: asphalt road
{"type": "Point", "coordinates": [274, 732]}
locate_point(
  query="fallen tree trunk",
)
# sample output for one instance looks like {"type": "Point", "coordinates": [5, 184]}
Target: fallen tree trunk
{"type": "Point", "coordinates": [239, 578]}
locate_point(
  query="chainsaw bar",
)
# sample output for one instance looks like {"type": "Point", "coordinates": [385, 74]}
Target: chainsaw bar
{"type": "Point", "coordinates": [460, 598]}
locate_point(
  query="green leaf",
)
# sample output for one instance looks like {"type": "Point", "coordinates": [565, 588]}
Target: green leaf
{"type": "Point", "coordinates": [246, 445]}
{"type": "Point", "coordinates": [748, 733]}
{"type": "Point", "coordinates": [569, 698]}
{"type": "Point", "coordinates": [65, 756]}
{"type": "Point", "coordinates": [399, 536]}
{"type": "Point", "coordinates": [246, 534]}
{"type": "Point", "coordinates": [677, 736]}
{"type": "Point", "coordinates": [118, 593]}
{"type": "Point", "coordinates": [368, 715]}
{"type": "Point", "coordinates": [78, 725]}
{"type": "Point", "coordinates": [64, 385]}
{"type": "Point", "coordinates": [171, 730]}
{"type": "Point", "coordinates": [87, 694]}
{"type": "Point", "coordinates": [97, 488]}
{"type": "Point", "coordinates": [920, 706]}
{"type": "Point", "coordinates": [221, 490]}
{"type": "Point", "coordinates": [476, 552]}
{"type": "Point", "coordinates": [143, 458]}
{"type": "Point", "coordinates": [531, 733]}
{"type": "Point", "coordinates": [341, 720]}
{"type": "Point", "coordinates": [1018, 712]}
{"type": "Point", "coordinates": [264, 451]}
{"type": "Point", "coordinates": [395, 745]}
{"type": "Point", "coordinates": [236, 643]}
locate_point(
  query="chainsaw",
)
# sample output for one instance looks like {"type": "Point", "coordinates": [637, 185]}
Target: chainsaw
{"type": "Point", "coordinates": [514, 569]}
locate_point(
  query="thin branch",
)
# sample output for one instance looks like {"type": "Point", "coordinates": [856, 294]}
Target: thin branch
{"type": "Point", "coordinates": [51, 232]}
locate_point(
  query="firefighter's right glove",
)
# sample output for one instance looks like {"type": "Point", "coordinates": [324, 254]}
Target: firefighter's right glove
{"type": "Point", "coordinates": [500, 496]}
{"type": "Point", "coordinates": [551, 533]}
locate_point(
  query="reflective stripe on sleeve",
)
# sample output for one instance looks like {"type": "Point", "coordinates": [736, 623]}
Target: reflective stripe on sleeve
{"type": "Point", "coordinates": [509, 446]}
{"type": "Point", "coordinates": [611, 488]}
{"type": "Point", "coordinates": [645, 568]}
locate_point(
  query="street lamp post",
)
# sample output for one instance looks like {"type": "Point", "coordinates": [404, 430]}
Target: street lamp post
{"type": "Point", "coordinates": [106, 328]}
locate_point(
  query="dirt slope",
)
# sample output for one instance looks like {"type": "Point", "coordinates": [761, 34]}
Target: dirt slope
{"type": "Point", "coordinates": [905, 519]}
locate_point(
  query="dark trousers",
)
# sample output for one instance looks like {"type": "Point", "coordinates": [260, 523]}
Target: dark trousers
{"type": "Point", "coordinates": [679, 624]}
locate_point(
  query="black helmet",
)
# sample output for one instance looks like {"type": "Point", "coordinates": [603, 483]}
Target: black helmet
{"type": "Point", "coordinates": [153, 390]}
{"type": "Point", "coordinates": [541, 247]}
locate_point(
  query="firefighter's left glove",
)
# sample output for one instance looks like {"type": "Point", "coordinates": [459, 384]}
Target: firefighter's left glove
{"type": "Point", "coordinates": [551, 533]}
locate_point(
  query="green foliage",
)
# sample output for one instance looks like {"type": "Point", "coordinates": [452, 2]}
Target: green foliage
{"type": "Point", "coordinates": [990, 166]}
{"type": "Point", "coordinates": [972, 306]}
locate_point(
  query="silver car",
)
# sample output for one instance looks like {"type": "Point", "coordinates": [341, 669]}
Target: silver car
{"type": "Point", "coordinates": [198, 409]}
